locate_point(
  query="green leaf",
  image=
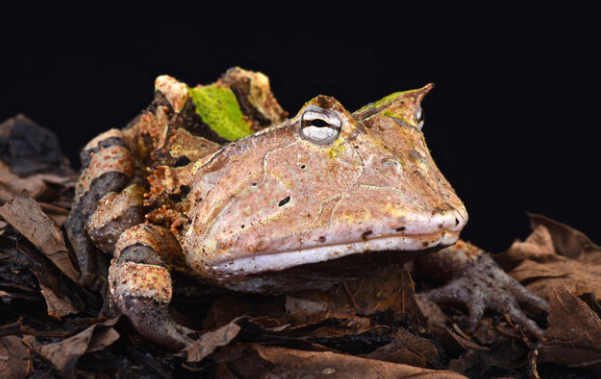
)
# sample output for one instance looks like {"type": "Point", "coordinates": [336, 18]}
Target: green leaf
{"type": "Point", "coordinates": [218, 107]}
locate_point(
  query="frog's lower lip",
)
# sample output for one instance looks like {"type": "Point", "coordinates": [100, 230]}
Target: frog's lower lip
{"type": "Point", "coordinates": [280, 260]}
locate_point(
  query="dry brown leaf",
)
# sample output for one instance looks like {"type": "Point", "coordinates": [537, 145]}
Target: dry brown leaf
{"type": "Point", "coordinates": [568, 241]}
{"type": "Point", "coordinates": [64, 355]}
{"type": "Point", "coordinates": [306, 307]}
{"type": "Point", "coordinates": [343, 327]}
{"type": "Point", "coordinates": [209, 341]}
{"type": "Point", "coordinates": [57, 214]}
{"type": "Point", "coordinates": [230, 306]}
{"type": "Point", "coordinates": [278, 362]}
{"type": "Point", "coordinates": [574, 333]}
{"type": "Point", "coordinates": [539, 245]}
{"type": "Point", "coordinates": [408, 349]}
{"type": "Point", "coordinates": [388, 289]}
{"type": "Point", "coordinates": [15, 362]}
{"type": "Point", "coordinates": [553, 255]}
{"type": "Point", "coordinates": [25, 215]}
{"type": "Point", "coordinates": [36, 185]}
{"type": "Point", "coordinates": [57, 306]}
{"type": "Point", "coordinates": [543, 278]}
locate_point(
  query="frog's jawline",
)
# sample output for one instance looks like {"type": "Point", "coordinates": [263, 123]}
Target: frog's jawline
{"type": "Point", "coordinates": [282, 260]}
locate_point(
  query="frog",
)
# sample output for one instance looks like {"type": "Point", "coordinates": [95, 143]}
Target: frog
{"type": "Point", "coordinates": [216, 182]}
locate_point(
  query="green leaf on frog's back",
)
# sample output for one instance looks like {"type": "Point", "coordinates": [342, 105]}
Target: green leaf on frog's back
{"type": "Point", "coordinates": [218, 108]}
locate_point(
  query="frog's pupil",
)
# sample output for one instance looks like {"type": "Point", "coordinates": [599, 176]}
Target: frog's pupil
{"type": "Point", "coordinates": [319, 123]}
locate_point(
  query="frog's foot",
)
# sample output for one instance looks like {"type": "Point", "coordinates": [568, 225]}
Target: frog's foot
{"type": "Point", "coordinates": [479, 283]}
{"type": "Point", "coordinates": [140, 284]}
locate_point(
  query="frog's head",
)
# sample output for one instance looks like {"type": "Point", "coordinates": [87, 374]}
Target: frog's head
{"type": "Point", "coordinates": [323, 185]}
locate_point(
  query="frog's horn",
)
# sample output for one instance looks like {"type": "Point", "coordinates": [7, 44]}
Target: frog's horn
{"type": "Point", "coordinates": [405, 105]}
{"type": "Point", "coordinates": [326, 102]}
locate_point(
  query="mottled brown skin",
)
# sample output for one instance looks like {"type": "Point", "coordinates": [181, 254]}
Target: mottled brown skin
{"type": "Point", "coordinates": [317, 204]}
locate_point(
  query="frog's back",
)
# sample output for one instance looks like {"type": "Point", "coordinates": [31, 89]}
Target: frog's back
{"type": "Point", "coordinates": [122, 181]}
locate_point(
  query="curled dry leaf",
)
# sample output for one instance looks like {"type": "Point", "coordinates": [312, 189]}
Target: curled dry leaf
{"type": "Point", "coordinates": [574, 333]}
{"type": "Point", "coordinates": [57, 306]}
{"type": "Point", "coordinates": [538, 245]}
{"type": "Point", "coordinates": [276, 362]}
{"type": "Point", "coordinates": [553, 255]}
{"type": "Point", "coordinates": [15, 362]}
{"type": "Point", "coordinates": [569, 242]}
{"type": "Point", "coordinates": [64, 355]}
{"type": "Point", "coordinates": [209, 341]}
{"type": "Point", "coordinates": [25, 215]}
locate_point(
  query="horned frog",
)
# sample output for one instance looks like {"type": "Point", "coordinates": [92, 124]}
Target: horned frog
{"type": "Point", "coordinates": [215, 182]}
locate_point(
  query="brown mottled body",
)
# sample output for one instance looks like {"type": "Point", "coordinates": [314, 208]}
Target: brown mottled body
{"type": "Point", "coordinates": [298, 204]}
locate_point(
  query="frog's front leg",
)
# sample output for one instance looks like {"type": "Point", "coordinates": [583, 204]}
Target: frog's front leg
{"type": "Point", "coordinates": [140, 283]}
{"type": "Point", "coordinates": [107, 168]}
{"type": "Point", "coordinates": [475, 280]}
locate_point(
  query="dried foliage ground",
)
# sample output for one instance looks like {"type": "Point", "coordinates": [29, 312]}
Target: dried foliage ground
{"type": "Point", "coordinates": [376, 327]}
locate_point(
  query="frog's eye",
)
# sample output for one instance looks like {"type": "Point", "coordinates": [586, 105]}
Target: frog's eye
{"type": "Point", "coordinates": [320, 125]}
{"type": "Point", "coordinates": [419, 115]}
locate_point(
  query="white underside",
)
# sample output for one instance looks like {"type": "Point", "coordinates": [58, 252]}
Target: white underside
{"type": "Point", "coordinates": [287, 259]}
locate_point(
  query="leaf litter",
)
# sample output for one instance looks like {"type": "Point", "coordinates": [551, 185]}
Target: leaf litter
{"type": "Point", "coordinates": [375, 327]}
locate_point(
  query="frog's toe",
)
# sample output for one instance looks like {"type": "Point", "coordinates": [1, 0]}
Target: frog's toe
{"type": "Point", "coordinates": [523, 296]}
{"type": "Point", "coordinates": [153, 321]}
{"type": "Point", "coordinates": [517, 316]}
{"type": "Point", "coordinates": [460, 292]}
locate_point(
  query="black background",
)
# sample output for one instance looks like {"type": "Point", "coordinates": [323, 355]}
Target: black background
{"type": "Point", "coordinates": [513, 120]}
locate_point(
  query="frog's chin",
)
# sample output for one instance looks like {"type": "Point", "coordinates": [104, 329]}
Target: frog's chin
{"type": "Point", "coordinates": [278, 261]}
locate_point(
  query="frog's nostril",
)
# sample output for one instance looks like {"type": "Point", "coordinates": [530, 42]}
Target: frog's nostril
{"type": "Point", "coordinates": [390, 162]}
{"type": "Point", "coordinates": [182, 161]}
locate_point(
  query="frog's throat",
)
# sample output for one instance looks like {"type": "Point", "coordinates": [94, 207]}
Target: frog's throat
{"type": "Point", "coordinates": [286, 259]}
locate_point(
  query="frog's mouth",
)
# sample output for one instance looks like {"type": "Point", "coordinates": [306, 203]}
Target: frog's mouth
{"type": "Point", "coordinates": [281, 260]}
